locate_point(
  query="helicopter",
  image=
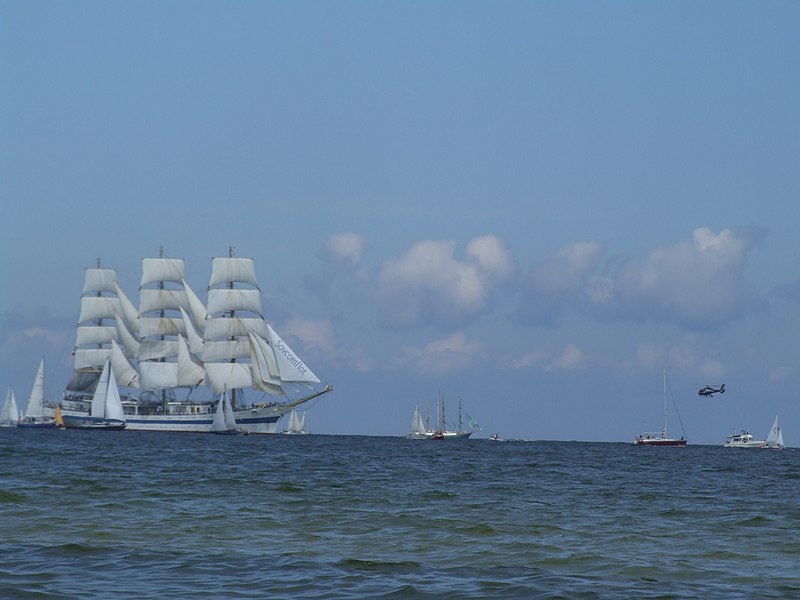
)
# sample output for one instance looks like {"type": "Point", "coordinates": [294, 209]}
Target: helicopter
{"type": "Point", "coordinates": [710, 390]}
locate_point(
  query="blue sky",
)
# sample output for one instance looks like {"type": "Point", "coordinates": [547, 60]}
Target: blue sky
{"type": "Point", "coordinates": [532, 206]}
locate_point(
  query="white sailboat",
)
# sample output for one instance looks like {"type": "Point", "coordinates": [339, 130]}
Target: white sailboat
{"type": "Point", "coordinates": [34, 412]}
{"type": "Point", "coordinates": [660, 438]}
{"type": "Point", "coordinates": [224, 420]}
{"type": "Point", "coordinates": [173, 346]}
{"type": "Point", "coordinates": [297, 423]}
{"type": "Point", "coordinates": [774, 439]}
{"type": "Point", "coordinates": [106, 409]}
{"type": "Point", "coordinates": [417, 430]}
{"type": "Point", "coordinates": [9, 415]}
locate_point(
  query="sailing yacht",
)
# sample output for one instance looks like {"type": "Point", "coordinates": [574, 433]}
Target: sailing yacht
{"type": "Point", "coordinates": [9, 415]}
{"type": "Point", "coordinates": [297, 424]}
{"type": "Point", "coordinates": [224, 421]}
{"type": "Point", "coordinates": [774, 439]}
{"type": "Point", "coordinates": [34, 412]}
{"type": "Point", "coordinates": [106, 410]}
{"type": "Point", "coordinates": [420, 432]}
{"type": "Point", "coordinates": [172, 348]}
{"type": "Point", "coordinates": [417, 431]}
{"type": "Point", "coordinates": [661, 438]}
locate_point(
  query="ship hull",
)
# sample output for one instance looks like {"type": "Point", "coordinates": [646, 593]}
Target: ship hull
{"type": "Point", "coordinates": [84, 422]}
{"type": "Point", "coordinates": [251, 420]}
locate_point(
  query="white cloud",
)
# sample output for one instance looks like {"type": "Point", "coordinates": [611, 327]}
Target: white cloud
{"type": "Point", "coordinates": [345, 247]}
{"type": "Point", "coordinates": [441, 357]}
{"type": "Point", "coordinates": [427, 283]}
{"type": "Point", "coordinates": [571, 357]}
{"type": "Point", "coordinates": [529, 359]}
{"type": "Point", "coordinates": [698, 280]}
{"type": "Point", "coordinates": [312, 334]}
{"type": "Point", "coordinates": [562, 281]}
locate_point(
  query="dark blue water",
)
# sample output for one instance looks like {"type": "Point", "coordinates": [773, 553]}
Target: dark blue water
{"type": "Point", "coordinates": [136, 514]}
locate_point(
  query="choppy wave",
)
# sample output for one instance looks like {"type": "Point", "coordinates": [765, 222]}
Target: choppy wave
{"type": "Point", "coordinates": [132, 514]}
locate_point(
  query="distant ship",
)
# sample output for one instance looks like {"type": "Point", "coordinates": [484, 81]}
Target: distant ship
{"type": "Point", "coordinates": [660, 438]}
{"type": "Point", "coordinates": [420, 431]}
{"type": "Point", "coordinates": [172, 347]}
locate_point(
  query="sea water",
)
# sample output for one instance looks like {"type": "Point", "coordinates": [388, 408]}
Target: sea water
{"type": "Point", "coordinates": [95, 514]}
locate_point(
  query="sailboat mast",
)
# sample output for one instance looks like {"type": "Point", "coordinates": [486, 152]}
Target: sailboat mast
{"type": "Point", "coordinates": [665, 401]}
{"type": "Point", "coordinates": [162, 313]}
{"type": "Point", "coordinates": [232, 315]}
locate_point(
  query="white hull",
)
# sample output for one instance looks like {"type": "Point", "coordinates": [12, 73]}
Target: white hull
{"type": "Point", "coordinates": [753, 444]}
{"type": "Point", "coordinates": [256, 420]}
{"type": "Point", "coordinates": [448, 435]}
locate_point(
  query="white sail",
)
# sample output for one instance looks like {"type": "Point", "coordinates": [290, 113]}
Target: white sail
{"type": "Point", "coordinates": [228, 375]}
{"type": "Point", "coordinates": [95, 334]}
{"type": "Point", "coordinates": [99, 280]}
{"type": "Point", "coordinates": [106, 402]}
{"type": "Point", "coordinates": [94, 308]}
{"type": "Point", "coordinates": [233, 299]}
{"type": "Point", "coordinates": [190, 369]}
{"type": "Point", "coordinates": [10, 413]}
{"type": "Point", "coordinates": [294, 422]}
{"type": "Point", "coordinates": [193, 337]}
{"type": "Point", "coordinates": [100, 310]}
{"type": "Point", "coordinates": [289, 364]}
{"type": "Point", "coordinates": [36, 398]}
{"type": "Point", "coordinates": [127, 338]}
{"type": "Point", "coordinates": [266, 376]}
{"type": "Point", "coordinates": [157, 349]}
{"type": "Point", "coordinates": [226, 349]}
{"type": "Point", "coordinates": [158, 326]}
{"type": "Point", "coordinates": [156, 375]}
{"type": "Point", "coordinates": [129, 311]}
{"type": "Point", "coordinates": [231, 268]}
{"type": "Point", "coordinates": [89, 358]}
{"type": "Point", "coordinates": [196, 307]}
{"type": "Point", "coordinates": [155, 270]}
{"type": "Point", "coordinates": [218, 424]}
{"type": "Point", "coordinates": [161, 299]}
{"type": "Point", "coordinates": [775, 436]}
{"type": "Point", "coordinates": [417, 426]}
{"type": "Point", "coordinates": [218, 350]}
{"type": "Point", "coordinates": [302, 421]}
{"type": "Point", "coordinates": [98, 408]}
{"type": "Point", "coordinates": [113, 408]}
{"type": "Point", "coordinates": [235, 326]}
{"type": "Point", "coordinates": [230, 420]}
{"type": "Point", "coordinates": [125, 373]}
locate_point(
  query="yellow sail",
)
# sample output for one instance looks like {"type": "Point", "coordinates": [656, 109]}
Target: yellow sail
{"type": "Point", "coordinates": [59, 420]}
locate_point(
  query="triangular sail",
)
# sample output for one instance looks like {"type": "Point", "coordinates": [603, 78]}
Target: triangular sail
{"type": "Point", "coordinates": [98, 408]}
{"type": "Point", "coordinates": [290, 366]}
{"type": "Point", "coordinates": [36, 399]}
{"type": "Point", "coordinates": [230, 420]}
{"type": "Point", "coordinates": [10, 412]}
{"type": "Point", "coordinates": [218, 424]}
{"type": "Point", "coordinates": [775, 436]}
{"type": "Point", "coordinates": [113, 407]}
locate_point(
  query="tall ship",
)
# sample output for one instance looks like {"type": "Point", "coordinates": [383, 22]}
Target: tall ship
{"type": "Point", "coordinates": [175, 357]}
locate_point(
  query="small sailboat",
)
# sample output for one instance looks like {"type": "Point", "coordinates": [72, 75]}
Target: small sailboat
{"type": "Point", "coordinates": [661, 438]}
{"type": "Point", "coordinates": [9, 415]}
{"type": "Point", "coordinates": [34, 416]}
{"type": "Point", "coordinates": [774, 439]}
{"type": "Point", "coordinates": [106, 410]}
{"type": "Point", "coordinates": [297, 424]}
{"type": "Point", "coordinates": [224, 422]}
{"type": "Point", "coordinates": [417, 431]}
{"type": "Point", "coordinates": [59, 418]}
